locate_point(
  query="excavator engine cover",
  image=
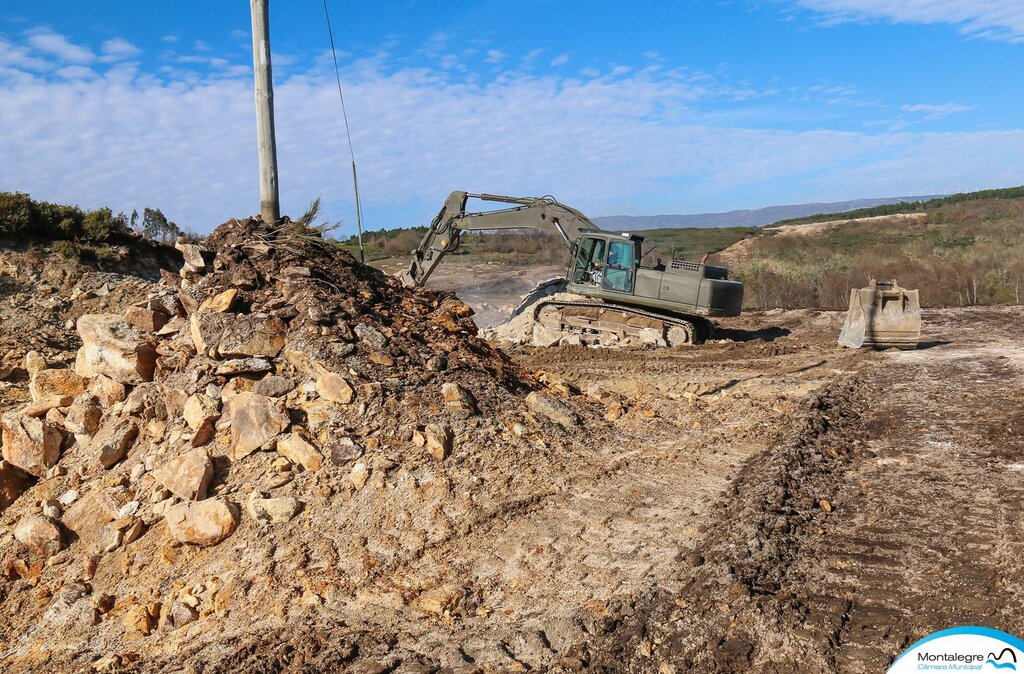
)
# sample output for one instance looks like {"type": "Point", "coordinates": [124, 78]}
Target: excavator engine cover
{"type": "Point", "coordinates": [882, 316]}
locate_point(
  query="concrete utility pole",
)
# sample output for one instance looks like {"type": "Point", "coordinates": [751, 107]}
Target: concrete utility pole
{"type": "Point", "coordinates": [270, 205]}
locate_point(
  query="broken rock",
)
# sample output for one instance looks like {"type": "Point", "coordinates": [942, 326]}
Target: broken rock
{"type": "Point", "coordinates": [13, 484]}
{"type": "Point", "coordinates": [459, 400]}
{"type": "Point", "coordinates": [33, 445]}
{"type": "Point", "coordinates": [202, 522]}
{"type": "Point", "coordinates": [56, 383]}
{"type": "Point", "coordinates": [255, 421]}
{"type": "Point", "coordinates": [39, 534]}
{"type": "Point", "coordinates": [274, 386]}
{"type": "Point", "coordinates": [221, 302]}
{"type": "Point", "coordinates": [187, 476]}
{"type": "Point", "coordinates": [334, 388]}
{"type": "Point", "coordinates": [201, 413]}
{"type": "Point", "coordinates": [439, 441]}
{"type": "Point", "coordinates": [276, 510]}
{"type": "Point", "coordinates": [553, 409]}
{"type": "Point", "coordinates": [112, 347]}
{"type": "Point", "coordinates": [297, 450]}
{"type": "Point", "coordinates": [84, 416]}
{"type": "Point", "coordinates": [113, 440]}
{"type": "Point", "coordinates": [145, 318]}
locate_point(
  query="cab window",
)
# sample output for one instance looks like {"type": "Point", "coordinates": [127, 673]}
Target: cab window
{"type": "Point", "coordinates": [589, 259]}
{"type": "Point", "coordinates": [619, 273]}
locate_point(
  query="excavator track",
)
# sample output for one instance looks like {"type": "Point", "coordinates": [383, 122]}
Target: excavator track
{"type": "Point", "coordinates": [599, 318]}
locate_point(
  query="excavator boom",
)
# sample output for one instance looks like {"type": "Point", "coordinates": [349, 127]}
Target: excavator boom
{"type": "Point", "coordinates": [542, 213]}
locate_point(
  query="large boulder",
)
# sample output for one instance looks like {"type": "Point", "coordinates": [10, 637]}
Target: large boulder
{"type": "Point", "coordinates": [187, 476]}
{"type": "Point", "coordinates": [112, 347]}
{"type": "Point", "coordinates": [33, 445]}
{"type": "Point", "coordinates": [51, 383]}
{"type": "Point", "coordinates": [202, 522]}
{"type": "Point", "coordinates": [221, 335]}
{"type": "Point", "coordinates": [255, 421]}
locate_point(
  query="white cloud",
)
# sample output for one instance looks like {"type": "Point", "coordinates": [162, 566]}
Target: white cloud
{"type": "Point", "coordinates": [559, 60]}
{"type": "Point", "coordinates": [174, 38]}
{"type": "Point", "coordinates": [941, 111]}
{"type": "Point", "coordinates": [640, 142]}
{"type": "Point", "coordinates": [76, 72]}
{"type": "Point", "coordinates": [495, 55]}
{"type": "Point", "coordinates": [57, 45]}
{"type": "Point", "coordinates": [118, 49]}
{"type": "Point", "coordinates": [991, 19]}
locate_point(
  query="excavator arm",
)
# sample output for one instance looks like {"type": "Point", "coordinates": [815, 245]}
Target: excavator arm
{"type": "Point", "coordinates": [543, 213]}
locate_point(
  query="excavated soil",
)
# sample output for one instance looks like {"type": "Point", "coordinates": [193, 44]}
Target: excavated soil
{"type": "Point", "coordinates": [764, 502]}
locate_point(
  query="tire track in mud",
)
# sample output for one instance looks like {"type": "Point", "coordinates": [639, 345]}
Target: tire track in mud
{"type": "Point", "coordinates": [923, 528]}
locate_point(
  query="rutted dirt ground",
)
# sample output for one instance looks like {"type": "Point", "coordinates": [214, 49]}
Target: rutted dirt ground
{"type": "Point", "coordinates": [765, 502]}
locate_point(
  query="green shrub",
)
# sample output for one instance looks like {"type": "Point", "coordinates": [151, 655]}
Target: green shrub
{"type": "Point", "coordinates": [16, 214]}
{"type": "Point", "coordinates": [100, 225]}
{"type": "Point", "coordinates": [59, 220]}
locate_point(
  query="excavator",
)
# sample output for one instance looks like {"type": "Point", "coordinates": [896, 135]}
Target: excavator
{"type": "Point", "coordinates": [608, 292]}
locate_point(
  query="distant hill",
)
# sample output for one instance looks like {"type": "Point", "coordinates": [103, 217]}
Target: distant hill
{"type": "Point", "coordinates": [746, 218]}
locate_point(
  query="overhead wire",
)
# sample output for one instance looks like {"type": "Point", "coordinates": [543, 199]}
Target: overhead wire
{"type": "Point", "coordinates": [348, 134]}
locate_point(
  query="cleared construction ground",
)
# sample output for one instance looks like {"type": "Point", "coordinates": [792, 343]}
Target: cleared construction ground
{"type": "Point", "coordinates": [765, 502]}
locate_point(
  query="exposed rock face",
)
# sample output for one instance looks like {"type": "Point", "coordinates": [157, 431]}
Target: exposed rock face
{"type": "Point", "coordinates": [255, 421]}
{"type": "Point", "coordinates": [202, 522]}
{"type": "Point", "coordinates": [56, 383]}
{"type": "Point", "coordinates": [40, 535]}
{"type": "Point", "coordinates": [187, 476]}
{"type": "Point", "coordinates": [112, 347]}
{"type": "Point", "coordinates": [113, 440]}
{"type": "Point", "coordinates": [33, 445]}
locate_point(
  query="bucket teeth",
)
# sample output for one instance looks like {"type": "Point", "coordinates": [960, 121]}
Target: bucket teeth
{"type": "Point", "coordinates": [882, 316]}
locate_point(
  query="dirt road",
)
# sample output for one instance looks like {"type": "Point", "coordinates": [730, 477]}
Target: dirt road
{"type": "Point", "coordinates": [764, 502]}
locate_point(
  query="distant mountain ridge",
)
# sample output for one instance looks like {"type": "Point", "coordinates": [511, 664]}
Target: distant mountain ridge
{"type": "Point", "coordinates": [746, 218]}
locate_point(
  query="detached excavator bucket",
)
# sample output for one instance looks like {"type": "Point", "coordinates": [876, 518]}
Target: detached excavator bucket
{"type": "Point", "coordinates": [882, 316]}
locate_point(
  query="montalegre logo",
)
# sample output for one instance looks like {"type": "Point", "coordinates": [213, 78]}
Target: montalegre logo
{"type": "Point", "coordinates": [963, 649]}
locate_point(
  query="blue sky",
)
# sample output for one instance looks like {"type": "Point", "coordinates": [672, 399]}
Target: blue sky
{"type": "Point", "coordinates": [616, 108]}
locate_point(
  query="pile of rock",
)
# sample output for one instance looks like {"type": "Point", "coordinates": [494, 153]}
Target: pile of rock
{"type": "Point", "coordinates": [274, 374]}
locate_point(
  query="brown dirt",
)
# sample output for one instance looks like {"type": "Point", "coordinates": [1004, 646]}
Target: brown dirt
{"type": "Point", "coordinates": [767, 502]}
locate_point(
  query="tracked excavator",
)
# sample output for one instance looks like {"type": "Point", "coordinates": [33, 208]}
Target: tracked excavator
{"type": "Point", "coordinates": [614, 294]}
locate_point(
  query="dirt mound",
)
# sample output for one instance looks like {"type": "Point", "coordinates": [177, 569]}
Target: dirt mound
{"type": "Point", "coordinates": [276, 441]}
